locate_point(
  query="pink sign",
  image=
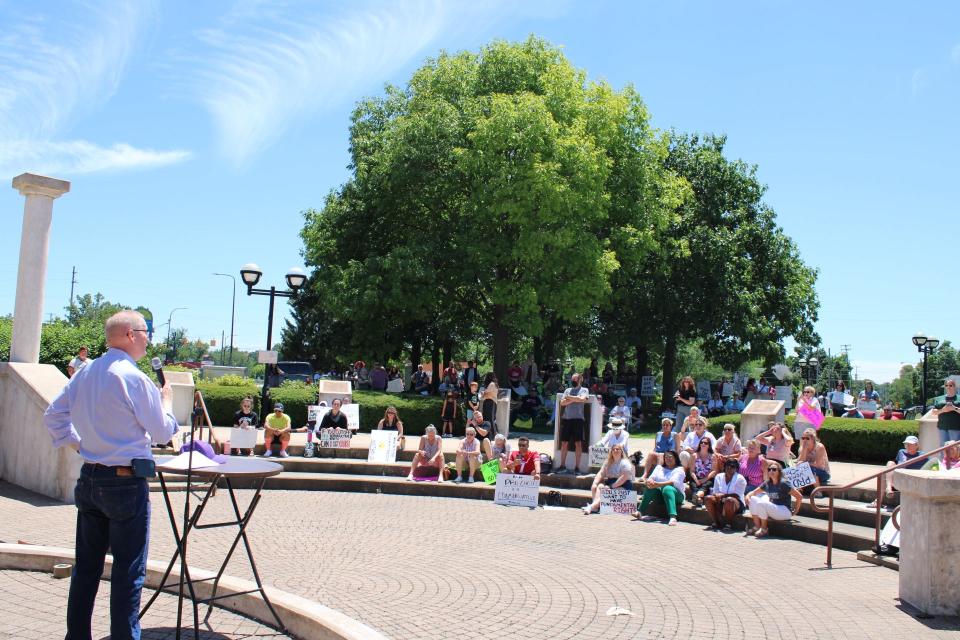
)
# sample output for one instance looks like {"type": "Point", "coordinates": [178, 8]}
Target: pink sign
{"type": "Point", "coordinates": [813, 416]}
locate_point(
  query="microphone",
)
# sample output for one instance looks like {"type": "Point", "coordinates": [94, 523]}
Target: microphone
{"type": "Point", "coordinates": [158, 369]}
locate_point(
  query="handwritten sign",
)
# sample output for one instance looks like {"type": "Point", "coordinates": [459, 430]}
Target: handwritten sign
{"type": "Point", "coordinates": [800, 476]}
{"type": "Point", "coordinates": [646, 386]}
{"type": "Point", "coordinates": [490, 471]}
{"type": "Point", "coordinates": [315, 414]}
{"type": "Point", "coordinates": [335, 438]}
{"type": "Point", "coordinates": [617, 501]}
{"type": "Point", "coordinates": [727, 390]}
{"type": "Point", "coordinates": [383, 446]}
{"type": "Point", "coordinates": [598, 455]}
{"type": "Point", "coordinates": [811, 415]}
{"type": "Point", "coordinates": [516, 490]}
{"type": "Point", "coordinates": [241, 438]}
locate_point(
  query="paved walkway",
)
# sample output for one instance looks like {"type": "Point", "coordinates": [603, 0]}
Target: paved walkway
{"type": "Point", "coordinates": [32, 608]}
{"type": "Point", "coordinates": [422, 567]}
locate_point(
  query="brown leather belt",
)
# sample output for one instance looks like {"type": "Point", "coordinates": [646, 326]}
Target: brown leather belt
{"type": "Point", "coordinates": [121, 471]}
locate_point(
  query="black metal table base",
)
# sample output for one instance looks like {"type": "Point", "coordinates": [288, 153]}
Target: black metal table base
{"type": "Point", "coordinates": [241, 522]}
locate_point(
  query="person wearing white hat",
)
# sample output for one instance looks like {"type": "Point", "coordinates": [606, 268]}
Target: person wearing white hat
{"type": "Point", "coordinates": [910, 451]}
{"type": "Point", "coordinates": [617, 434]}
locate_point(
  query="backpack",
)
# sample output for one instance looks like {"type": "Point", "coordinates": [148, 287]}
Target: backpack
{"type": "Point", "coordinates": [546, 464]}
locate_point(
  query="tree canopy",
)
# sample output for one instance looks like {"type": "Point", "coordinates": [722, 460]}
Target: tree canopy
{"type": "Point", "coordinates": [501, 196]}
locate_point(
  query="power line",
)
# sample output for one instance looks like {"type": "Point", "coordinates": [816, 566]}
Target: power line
{"type": "Point", "coordinates": [73, 281]}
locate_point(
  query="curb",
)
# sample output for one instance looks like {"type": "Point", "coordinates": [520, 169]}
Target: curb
{"type": "Point", "coordinates": [303, 618]}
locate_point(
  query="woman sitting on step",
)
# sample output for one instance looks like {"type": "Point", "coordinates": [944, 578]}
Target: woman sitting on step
{"type": "Point", "coordinates": [813, 451]}
{"type": "Point", "coordinates": [428, 460]}
{"type": "Point", "coordinates": [773, 499]}
{"type": "Point", "coordinates": [391, 422]}
{"type": "Point", "coordinates": [617, 473]}
{"type": "Point", "coordinates": [665, 484]}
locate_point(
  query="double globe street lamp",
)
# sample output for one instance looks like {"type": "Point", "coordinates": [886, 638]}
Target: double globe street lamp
{"type": "Point", "coordinates": [806, 366]}
{"type": "Point", "coordinates": [925, 344]}
{"type": "Point", "coordinates": [250, 273]}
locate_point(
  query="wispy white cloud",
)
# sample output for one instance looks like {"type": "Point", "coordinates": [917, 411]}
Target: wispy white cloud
{"type": "Point", "coordinates": [268, 67]}
{"type": "Point", "coordinates": [78, 157]}
{"type": "Point", "coordinates": [53, 72]}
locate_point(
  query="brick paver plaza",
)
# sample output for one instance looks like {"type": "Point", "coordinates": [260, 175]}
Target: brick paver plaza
{"type": "Point", "coordinates": [419, 567]}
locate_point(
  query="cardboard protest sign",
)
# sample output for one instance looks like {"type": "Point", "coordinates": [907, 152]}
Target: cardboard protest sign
{"type": "Point", "coordinates": [383, 446]}
{"type": "Point", "coordinates": [335, 438]}
{"type": "Point", "coordinates": [517, 490]}
{"type": "Point", "coordinates": [617, 501]}
{"type": "Point", "coordinates": [799, 476]}
{"type": "Point", "coordinates": [243, 438]}
{"type": "Point", "coordinates": [727, 390]}
{"type": "Point", "coordinates": [598, 455]}
{"type": "Point", "coordinates": [490, 470]}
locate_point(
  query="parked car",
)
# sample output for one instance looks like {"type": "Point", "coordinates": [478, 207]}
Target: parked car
{"type": "Point", "coordinates": [290, 370]}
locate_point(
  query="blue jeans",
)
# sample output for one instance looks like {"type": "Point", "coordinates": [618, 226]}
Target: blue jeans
{"type": "Point", "coordinates": [948, 434]}
{"type": "Point", "coordinates": [112, 512]}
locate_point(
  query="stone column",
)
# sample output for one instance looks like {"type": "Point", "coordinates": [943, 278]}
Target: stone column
{"type": "Point", "coordinates": [930, 540]}
{"type": "Point", "coordinates": [40, 193]}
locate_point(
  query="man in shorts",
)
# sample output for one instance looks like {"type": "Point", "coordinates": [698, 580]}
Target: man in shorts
{"type": "Point", "coordinates": [574, 425]}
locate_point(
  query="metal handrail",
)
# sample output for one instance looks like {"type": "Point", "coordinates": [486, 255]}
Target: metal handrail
{"type": "Point", "coordinates": [830, 491]}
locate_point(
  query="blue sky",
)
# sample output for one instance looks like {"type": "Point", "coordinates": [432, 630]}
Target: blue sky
{"type": "Point", "coordinates": [195, 133]}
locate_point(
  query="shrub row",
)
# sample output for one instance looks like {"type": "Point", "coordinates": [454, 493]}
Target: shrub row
{"type": "Point", "coordinates": [850, 439]}
{"type": "Point", "coordinates": [416, 412]}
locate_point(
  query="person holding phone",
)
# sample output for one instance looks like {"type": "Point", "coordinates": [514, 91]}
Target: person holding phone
{"type": "Point", "coordinates": [110, 412]}
{"type": "Point", "coordinates": [947, 410]}
{"type": "Point", "coordinates": [245, 418]}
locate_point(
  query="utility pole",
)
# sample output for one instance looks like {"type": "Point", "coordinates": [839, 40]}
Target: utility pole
{"type": "Point", "coordinates": [73, 281]}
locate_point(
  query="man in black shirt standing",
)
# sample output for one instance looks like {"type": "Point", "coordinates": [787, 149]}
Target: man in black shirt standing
{"type": "Point", "coordinates": [948, 413]}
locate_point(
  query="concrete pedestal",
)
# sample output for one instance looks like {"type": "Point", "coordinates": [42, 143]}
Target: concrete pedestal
{"type": "Point", "coordinates": [930, 540]}
{"type": "Point", "coordinates": [183, 387]}
{"type": "Point", "coordinates": [756, 415]}
{"type": "Point", "coordinates": [929, 434]}
{"type": "Point", "coordinates": [329, 390]}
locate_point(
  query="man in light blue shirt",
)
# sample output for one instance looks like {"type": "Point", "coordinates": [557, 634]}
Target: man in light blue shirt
{"type": "Point", "coordinates": [110, 412]}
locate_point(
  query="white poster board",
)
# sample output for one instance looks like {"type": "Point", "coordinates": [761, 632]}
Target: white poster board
{"type": "Point", "coordinates": [598, 455]}
{"type": "Point", "coordinates": [315, 414]}
{"type": "Point", "coordinates": [517, 490]}
{"type": "Point", "coordinates": [267, 357]}
{"type": "Point", "coordinates": [646, 386]}
{"type": "Point", "coordinates": [617, 501]}
{"type": "Point", "coordinates": [800, 476]}
{"type": "Point", "coordinates": [703, 390]}
{"type": "Point", "coordinates": [785, 393]}
{"type": "Point", "coordinates": [727, 390]}
{"type": "Point", "coordinates": [383, 446]}
{"type": "Point", "coordinates": [243, 438]}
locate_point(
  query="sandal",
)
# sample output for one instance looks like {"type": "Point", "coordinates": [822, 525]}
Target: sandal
{"type": "Point", "coordinates": [636, 515]}
{"type": "Point", "coordinates": [763, 533]}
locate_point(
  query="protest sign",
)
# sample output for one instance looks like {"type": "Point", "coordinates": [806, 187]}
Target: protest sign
{"type": "Point", "coordinates": [646, 386]}
{"type": "Point", "coordinates": [727, 390]}
{"type": "Point", "coordinates": [617, 501]}
{"type": "Point", "coordinates": [243, 438]}
{"type": "Point", "coordinates": [335, 438]}
{"type": "Point", "coordinates": [598, 455]}
{"type": "Point", "coordinates": [383, 446]}
{"type": "Point", "coordinates": [785, 393]}
{"type": "Point", "coordinates": [517, 490]}
{"type": "Point", "coordinates": [799, 476]}
{"type": "Point", "coordinates": [315, 414]}
{"type": "Point", "coordinates": [704, 391]}
{"type": "Point", "coordinates": [811, 415]}
{"type": "Point", "coordinates": [490, 470]}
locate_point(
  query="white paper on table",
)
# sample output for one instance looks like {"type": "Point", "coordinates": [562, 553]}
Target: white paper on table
{"type": "Point", "coordinates": [182, 461]}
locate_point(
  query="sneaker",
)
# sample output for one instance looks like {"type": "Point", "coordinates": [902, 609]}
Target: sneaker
{"type": "Point", "coordinates": [648, 518]}
{"type": "Point", "coordinates": [672, 522]}
{"type": "Point", "coordinates": [267, 453]}
{"type": "Point", "coordinates": [562, 471]}
{"type": "Point", "coordinates": [470, 480]}
{"type": "Point", "coordinates": [586, 510]}
{"type": "Point", "coordinates": [284, 454]}
{"type": "Point", "coordinates": [458, 479]}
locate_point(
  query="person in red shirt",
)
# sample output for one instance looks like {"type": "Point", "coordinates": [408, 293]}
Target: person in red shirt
{"type": "Point", "coordinates": [523, 461]}
{"type": "Point", "coordinates": [514, 374]}
{"type": "Point", "coordinates": [887, 413]}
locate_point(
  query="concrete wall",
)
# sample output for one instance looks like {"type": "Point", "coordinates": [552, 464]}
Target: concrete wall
{"type": "Point", "coordinates": [27, 456]}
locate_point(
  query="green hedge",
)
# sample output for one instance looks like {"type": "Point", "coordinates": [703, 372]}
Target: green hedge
{"type": "Point", "coordinates": [850, 439]}
{"type": "Point", "coordinates": [415, 411]}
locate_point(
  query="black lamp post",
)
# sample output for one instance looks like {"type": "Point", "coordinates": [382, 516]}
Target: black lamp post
{"type": "Point", "coordinates": [250, 274]}
{"type": "Point", "coordinates": [806, 366]}
{"type": "Point", "coordinates": [925, 345]}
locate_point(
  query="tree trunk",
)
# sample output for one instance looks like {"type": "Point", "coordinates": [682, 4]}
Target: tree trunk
{"type": "Point", "coordinates": [437, 369]}
{"type": "Point", "coordinates": [550, 335]}
{"type": "Point", "coordinates": [643, 361]}
{"type": "Point", "coordinates": [447, 345]}
{"type": "Point", "coordinates": [621, 362]}
{"type": "Point", "coordinates": [669, 359]}
{"type": "Point", "coordinates": [416, 352]}
{"type": "Point", "coordinates": [498, 329]}
{"type": "Point", "coordinates": [538, 352]}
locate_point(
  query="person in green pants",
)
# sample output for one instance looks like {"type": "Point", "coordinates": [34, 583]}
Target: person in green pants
{"type": "Point", "coordinates": [665, 484]}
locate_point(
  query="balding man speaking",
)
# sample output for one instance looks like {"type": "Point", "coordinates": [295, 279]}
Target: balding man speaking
{"type": "Point", "coordinates": [110, 412]}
